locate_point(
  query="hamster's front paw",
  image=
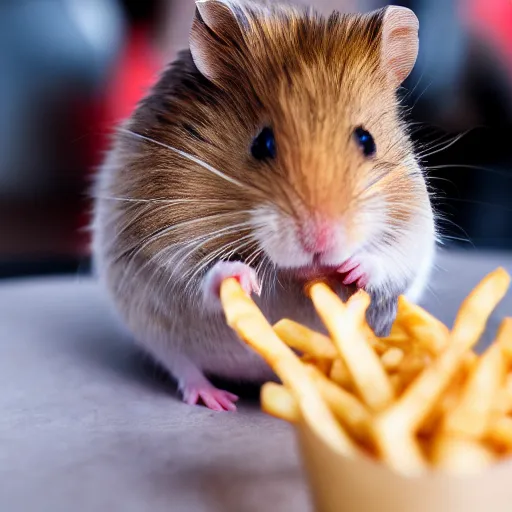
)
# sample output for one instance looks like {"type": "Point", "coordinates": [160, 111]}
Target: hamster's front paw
{"type": "Point", "coordinates": [245, 275]}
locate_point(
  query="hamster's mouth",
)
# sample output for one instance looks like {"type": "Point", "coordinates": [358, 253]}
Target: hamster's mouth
{"type": "Point", "coordinates": [315, 272]}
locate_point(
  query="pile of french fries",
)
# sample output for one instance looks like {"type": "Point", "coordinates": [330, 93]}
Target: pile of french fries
{"type": "Point", "coordinates": [418, 400]}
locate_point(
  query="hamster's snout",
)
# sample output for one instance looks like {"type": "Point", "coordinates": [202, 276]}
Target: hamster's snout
{"type": "Point", "coordinates": [304, 241]}
{"type": "Point", "coordinates": [317, 236]}
{"type": "Point", "coordinates": [322, 238]}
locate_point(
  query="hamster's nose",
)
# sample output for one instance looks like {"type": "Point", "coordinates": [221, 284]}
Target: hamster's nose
{"type": "Point", "coordinates": [316, 235]}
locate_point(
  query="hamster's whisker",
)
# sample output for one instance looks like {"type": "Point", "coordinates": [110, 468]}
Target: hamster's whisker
{"type": "Point", "coordinates": [441, 230]}
{"type": "Point", "coordinates": [201, 200]}
{"type": "Point", "coordinates": [253, 256]}
{"type": "Point", "coordinates": [266, 266]}
{"type": "Point", "coordinates": [202, 240]}
{"type": "Point", "coordinates": [427, 87]}
{"type": "Point", "coordinates": [237, 249]}
{"type": "Point", "coordinates": [166, 263]}
{"type": "Point", "coordinates": [504, 174]}
{"type": "Point", "coordinates": [222, 251]}
{"type": "Point", "coordinates": [217, 255]}
{"type": "Point", "coordinates": [382, 174]}
{"type": "Point", "coordinates": [416, 127]}
{"type": "Point", "coordinates": [442, 238]}
{"type": "Point", "coordinates": [155, 274]}
{"type": "Point", "coordinates": [436, 193]}
{"type": "Point", "coordinates": [209, 236]}
{"type": "Point", "coordinates": [188, 156]}
{"type": "Point", "coordinates": [437, 141]}
{"type": "Point", "coordinates": [264, 269]}
{"type": "Point", "coordinates": [205, 240]}
{"type": "Point", "coordinates": [150, 209]}
{"type": "Point", "coordinates": [161, 234]}
{"type": "Point", "coordinates": [441, 147]}
{"type": "Point", "coordinates": [396, 180]}
{"type": "Point", "coordinates": [169, 229]}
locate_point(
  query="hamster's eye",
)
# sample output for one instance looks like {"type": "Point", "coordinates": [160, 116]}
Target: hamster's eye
{"type": "Point", "coordinates": [365, 141]}
{"type": "Point", "coordinates": [264, 145]}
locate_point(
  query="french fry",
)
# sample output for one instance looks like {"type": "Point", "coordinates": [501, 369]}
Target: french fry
{"type": "Point", "coordinates": [396, 382]}
{"type": "Point", "coordinates": [426, 330]}
{"type": "Point", "coordinates": [500, 433]}
{"type": "Point", "coordinates": [340, 374]}
{"type": "Point", "coordinates": [398, 338]}
{"type": "Point", "coordinates": [505, 339]}
{"type": "Point", "coordinates": [471, 415]}
{"type": "Point", "coordinates": [451, 395]}
{"type": "Point", "coordinates": [461, 456]}
{"type": "Point", "coordinates": [398, 447]}
{"type": "Point", "coordinates": [420, 398]}
{"type": "Point", "coordinates": [502, 402]}
{"type": "Point", "coordinates": [277, 401]}
{"type": "Point", "coordinates": [503, 399]}
{"type": "Point", "coordinates": [324, 365]}
{"type": "Point", "coordinates": [379, 345]}
{"type": "Point", "coordinates": [345, 406]}
{"type": "Point", "coordinates": [408, 413]}
{"type": "Point", "coordinates": [392, 358]}
{"type": "Point", "coordinates": [472, 318]}
{"type": "Point", "coordinates": [305, 340]}
{"type": "Point", "coordinates": [243, 315]}
{"type": "Point", "coordinates": [468, 361]}
{"type": "Point", "coordinates": [414, 406]}
{"type": "Point", "coordinates": [410, 367]}
{"type": "Point", "coordinates": [446, 403]}
{"type": "Point", "coordinates": [397, 329]}
{"type": "Point", "coordinates": [345, 322]}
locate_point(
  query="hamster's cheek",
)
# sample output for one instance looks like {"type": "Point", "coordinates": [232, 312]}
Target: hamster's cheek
{"type": "Point", "coordinates": [386, 271]}
{"type": "Point", "coordinates": [423, 273]}
{"type": "Point", "coordinates": [403, 267]}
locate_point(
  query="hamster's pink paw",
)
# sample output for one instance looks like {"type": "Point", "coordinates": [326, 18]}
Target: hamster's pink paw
{"type": "Point", "coordinates": [222, 270]}
{"type": "Point", "coordinates": [215, 399]}
{"type": "Point", "coordinates": [352, 273]}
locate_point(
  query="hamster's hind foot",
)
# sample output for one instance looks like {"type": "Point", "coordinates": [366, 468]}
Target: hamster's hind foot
{"type": "Point", "coordinates": [197, 389]}
{"type": "Point", "coordinates": [213, 398]}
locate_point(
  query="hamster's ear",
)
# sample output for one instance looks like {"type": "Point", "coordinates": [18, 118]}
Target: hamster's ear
{"type": "Point", "coordinates": [215, 34]}
{"type": "Point", "coordinates": [399, 43]}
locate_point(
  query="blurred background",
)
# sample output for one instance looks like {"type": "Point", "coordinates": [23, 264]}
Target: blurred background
{"type": "Point", "coordinates": [71, 69]}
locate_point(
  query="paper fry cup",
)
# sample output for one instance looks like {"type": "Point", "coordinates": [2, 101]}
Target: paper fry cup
{"type": "Point", "coordinates": [341, 484]}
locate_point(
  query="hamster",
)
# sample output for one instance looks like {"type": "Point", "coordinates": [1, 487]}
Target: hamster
{"type": "Point", "coordinates": [273, 150]}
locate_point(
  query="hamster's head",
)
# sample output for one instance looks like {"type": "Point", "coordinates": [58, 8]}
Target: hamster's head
{"type": "Point", "coordinates": [327, 164]}
{"type": "Point", "coordinates": [288, 148]}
